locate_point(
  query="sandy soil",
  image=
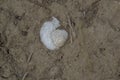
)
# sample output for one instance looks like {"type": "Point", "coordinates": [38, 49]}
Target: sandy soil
{"type": "Point", "coordinates": [92, 51]}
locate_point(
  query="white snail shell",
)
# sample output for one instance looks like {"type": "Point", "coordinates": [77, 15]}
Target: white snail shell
{"type": "Point", "coordinates": [52, 37]}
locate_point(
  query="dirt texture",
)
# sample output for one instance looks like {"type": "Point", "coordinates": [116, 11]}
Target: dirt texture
{"type": "Point", "coordinates": [92, 51]}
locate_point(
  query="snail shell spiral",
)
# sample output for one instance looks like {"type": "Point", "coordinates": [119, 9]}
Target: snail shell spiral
{"type": "Point", "coordinates": [52, 37]}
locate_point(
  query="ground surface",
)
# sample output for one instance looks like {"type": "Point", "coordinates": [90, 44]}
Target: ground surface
{"type": "Point", "coordinates": [92, 51]}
